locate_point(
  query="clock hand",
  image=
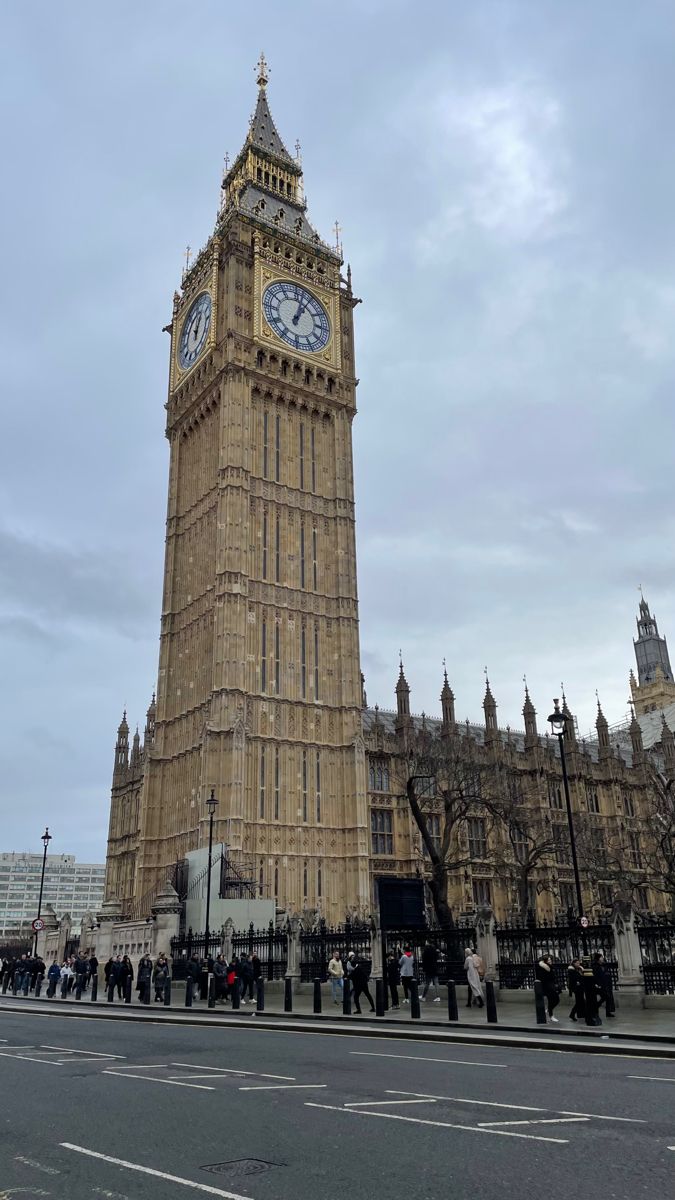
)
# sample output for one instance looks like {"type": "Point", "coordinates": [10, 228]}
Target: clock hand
{"type": "Point", "coordinates": [300, 310]}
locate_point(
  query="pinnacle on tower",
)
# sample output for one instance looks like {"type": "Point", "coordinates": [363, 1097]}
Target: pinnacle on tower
{"type": "Point", "coordinates": [667, 745]}
{"type": "Point", "coordinates": [490, 709]}
{"type": "Point", "coordinates": [447, 703]}
{"type": "Point", "coordinates": [570, 727]}
{"type": "Point", "coordinates": [603, 733]}
{"type": "Point", "coordinates": [150, 718]}
{"type": "Point", "coordinates": [635, 735]}
{"type": "Point", "coordinates": [135, 759]}
{"type": "Point", "coordinates": [122, 745]}
{"type": "Point", "coordinates": [402, 693]}
{"type": "Point", "coordinates": [530, 718]}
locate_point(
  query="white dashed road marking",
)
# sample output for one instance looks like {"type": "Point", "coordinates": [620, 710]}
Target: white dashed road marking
{"type": "Point", "coordinates": [279, 1087]}
{"type": "Point", "coordinates": [462, 1062]}
{"type": "Point", "coordinates": [372, 1103]}
{"type": "Point", "coordinates": [202, 1087]}
{"type": "Point", "coordinates": [358, 1112]}
{"type": "Point", "coordinates": [98, 1053]}
{"type": "Point", "coordinates": [536, 1121]}
{"type": "Point", "coordinates": [653, 1078]}
{"type": "Point", "coordinates": [121, 1162]}
{"type": "Point", "coordinates": [234, 1071]}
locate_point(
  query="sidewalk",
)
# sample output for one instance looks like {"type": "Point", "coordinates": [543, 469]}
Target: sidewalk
{"type": "Point", "coordinates": [648, 1032]}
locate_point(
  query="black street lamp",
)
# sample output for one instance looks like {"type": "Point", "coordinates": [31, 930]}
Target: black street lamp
{"type": "Point", "coordinates": [46, 839]}
{"type": "Point", "coordinates": [558, 722]}
{"type": "Point", "coordinates": [212, 805]}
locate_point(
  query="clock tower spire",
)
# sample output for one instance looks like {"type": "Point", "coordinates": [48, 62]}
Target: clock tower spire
{"type": "Point", "coordinates": [259, 692]}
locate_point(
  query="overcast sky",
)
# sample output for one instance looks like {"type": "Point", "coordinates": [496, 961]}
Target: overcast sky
{"type": "Point", "coordinates": [504, 176]}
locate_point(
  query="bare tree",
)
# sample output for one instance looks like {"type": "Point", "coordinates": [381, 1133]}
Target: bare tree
{"type": "Point", "coordinates": [448, 787]}
{"type": "Point", "coordinates": [529, 839]}
{"type": "Point", "coordinates": [659, 838]}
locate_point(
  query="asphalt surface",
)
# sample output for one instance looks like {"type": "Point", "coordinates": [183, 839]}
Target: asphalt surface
{"type": "Point", "coordinates": [257, 1114]}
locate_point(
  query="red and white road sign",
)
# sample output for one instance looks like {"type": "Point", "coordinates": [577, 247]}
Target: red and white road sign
{"type": "Point", "coordinates": [584, 922]}
{"type": "Point", "coordinates": [38, 924]}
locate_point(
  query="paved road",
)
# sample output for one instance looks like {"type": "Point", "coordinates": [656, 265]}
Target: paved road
{"type": "Point", "coordinates": [121, 1110]}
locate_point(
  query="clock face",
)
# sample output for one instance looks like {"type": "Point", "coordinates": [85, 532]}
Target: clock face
{"type": "Point", "coordinates": [296, 316]}
{"type": "Point", "coordinates": [195, 330]}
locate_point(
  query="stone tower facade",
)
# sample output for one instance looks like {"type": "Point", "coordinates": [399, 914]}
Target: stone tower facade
{"type": "Point", "coordinates": [259, 683]}
{"type": "Point", "coordinates": [654, 687]}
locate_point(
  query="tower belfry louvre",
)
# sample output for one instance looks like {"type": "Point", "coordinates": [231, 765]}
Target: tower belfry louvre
{"type": "Point", "coordinates": [259, 681]}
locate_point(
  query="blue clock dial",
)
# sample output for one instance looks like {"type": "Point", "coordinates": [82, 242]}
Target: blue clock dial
{"type": "Point", "coordinates": [296, 316]}
{"type": "Point", "coordinates": [195, 330]}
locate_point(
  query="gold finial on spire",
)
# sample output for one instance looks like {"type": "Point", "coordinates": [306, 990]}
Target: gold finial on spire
{"type": "Point", "coordinates": [263, 70]}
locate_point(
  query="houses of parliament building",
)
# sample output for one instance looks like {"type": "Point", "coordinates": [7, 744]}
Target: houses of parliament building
{"type": "Point", "coordinates": [260, 695]}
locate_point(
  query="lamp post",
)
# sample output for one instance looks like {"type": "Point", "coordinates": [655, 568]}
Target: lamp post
{"type": "Point", "coordinates": [46, 839]}
{"type": "Point", "coordinates": [212, 805]}
{"type": "Point", "coordinates": [558, 723]}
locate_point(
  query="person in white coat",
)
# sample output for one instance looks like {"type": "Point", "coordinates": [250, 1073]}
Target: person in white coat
{"type": "Point", "coordinates": [472, 978]}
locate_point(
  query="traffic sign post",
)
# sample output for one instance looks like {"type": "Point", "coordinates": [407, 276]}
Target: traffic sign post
{"type": "Point", "coordinates": [37, 925]}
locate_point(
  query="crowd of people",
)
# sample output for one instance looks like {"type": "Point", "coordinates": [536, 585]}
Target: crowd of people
{"type": "Point", "coordinates": [589, 981]}
{"type": "Point", "coordinates": [589, 984]}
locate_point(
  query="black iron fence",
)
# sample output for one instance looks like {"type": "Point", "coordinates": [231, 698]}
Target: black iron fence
{"type": "Point", "coordinates": [657, 947]}
{"type": "Point", "coordinates": [318, 945]}
{"type": "Point", "coordinates": [519, 948]}
{"type": "Point", "coordinates": [182, 949]}
{"type": "Point", "coordinates": [270, 945]}
{"type": "Point", "coordinates": [449, 945]}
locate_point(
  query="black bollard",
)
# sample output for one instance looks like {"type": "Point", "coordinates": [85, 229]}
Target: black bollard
{"type": "Point", "coordinates": [317, 995]}
{"type": "Point", "coordinates": [38, 985]}
{"type": "Point", "coordinates": [490, 1002]}
{"type": "Point", "coordinates": [64, 987]}
{"type": "Point", "coordinates": [453, 1015]}
{"type": "Point", "coordinates": [5, 983]}
{"type": "Point", "coordinates": [414, 1000]}
{"type": "Point", "coordinates": [145, 993]}
{"type": "Point", "coordinates": [78, 986]}
{"type": "Point", "coordinates": [127, 989]}
{"type": "Point", "coordinates": [539, 1002]}
{"type": "Point", "coordinates": [288, 995]}
{"type": "Point", "coordinates": [211, 1002]}
{"type": "Point", "coordinates": [111, 991]}
{"type": "Point", "coordinates": [260, 995]}
{"type": "Point", "coordinates": [346, 998]}
{"type": "Point", "coordinates": [15, 984]}
{"type": "Point", "coordinates": [94, 987]}
{"type": "Point", "coordinates": [236, 995]}
{"type": "Point", "coordinates": [167, 992]}
{"type": "Point", "coordinates": [380, 996]}
{"type": "Point", "coordinates": [188, 992]}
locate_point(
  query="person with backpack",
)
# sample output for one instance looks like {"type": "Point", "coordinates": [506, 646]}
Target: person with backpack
{"type": "Point", "coordinates": [359, 975]}
{"type": "Point", "coordinates": [53, 976]}
{"type": "Point", "coordinates": [406, 965]}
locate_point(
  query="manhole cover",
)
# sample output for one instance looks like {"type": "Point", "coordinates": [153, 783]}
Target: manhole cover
{"type": "Point", "coordinates": [241, 1166]}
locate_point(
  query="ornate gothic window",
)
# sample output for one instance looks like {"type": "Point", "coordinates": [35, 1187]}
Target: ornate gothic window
{"type": "Point", "coordinates": [477, 837]}
{"type": "Point", "coordinates": [381, 829]}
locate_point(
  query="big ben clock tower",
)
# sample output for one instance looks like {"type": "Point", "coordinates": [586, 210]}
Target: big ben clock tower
{"type": "Point", "coordinates": [259, 683]}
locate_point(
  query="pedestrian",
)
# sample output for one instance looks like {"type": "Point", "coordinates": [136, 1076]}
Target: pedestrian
{"type": "Point", "coordinates": [430, 968]}
{"type": "Point", "coordinates": [80, 969]}
{"type": "Point", "coordinates": [125, 972]}
{"type": "Point", "coordinates": [575, 987]}
{"type": "Point", "coordinates": [66, 978]}
{"type": "Point", "coordinates": [93, 966]}
{"type": "Point", "coordinates": [393, 978]}
{"type": "Point", "coordinates": [257, 968]}
{"type": "Point", "coordinates": [232, 979]}
{"type": "Point", "coordinates": [359, 976]}
{"type": "Point", "coordinates": [192, 973]}
{"type": "Point", "coordinates": [246, 977]}
{"type": "Point", "coordinates": [220, 979]}
{"type": "Point", "coordinates": [591, 993]}
{"type": "Point", "coordinates": [544, 973]}
{"type": "Point", "coordinates": [603, 978]}
{"type": "Point", "coordinates": [336, 973]}
{"type": "Point", "coordinates": [406, 965]}
{"type": "Point", "coordinates": [117, 976]}
{"type": "Point", "coordinates": [144, 977]}
{"type": "Point", "coordinates": [160, 975]}
{"type": "Point", "coordinates": [472, 978]}
{"type": "Point", "coordinates": [53, 976]}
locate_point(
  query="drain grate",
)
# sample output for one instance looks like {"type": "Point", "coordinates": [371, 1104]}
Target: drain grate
{"type": "Point", "coordinates": [241, 1166]}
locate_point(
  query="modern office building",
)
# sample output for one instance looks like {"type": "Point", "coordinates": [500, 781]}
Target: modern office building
{"type": "Point", "coordinates": [70, 887]}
